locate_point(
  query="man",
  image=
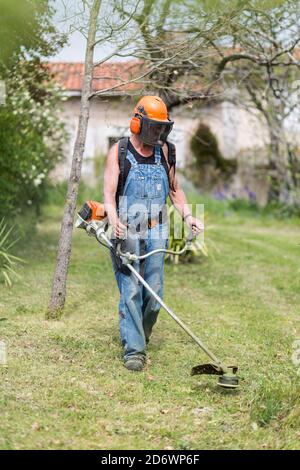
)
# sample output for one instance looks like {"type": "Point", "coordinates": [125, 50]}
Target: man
{"type": "Point", "coordinates": [148, 177]}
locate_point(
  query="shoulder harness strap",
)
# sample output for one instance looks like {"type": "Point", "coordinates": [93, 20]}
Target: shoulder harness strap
{"type": "Point", "coordinates": [122, 152]}
{"type": "Point", "coordinates": [171, 160]}
{"type": "Point", "coordinates": [171, 155]}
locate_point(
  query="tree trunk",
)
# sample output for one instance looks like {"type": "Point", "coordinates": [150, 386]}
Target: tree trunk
{"type": "Point", "coordinates": [58, 294]}
{"type": "Point", "coordinates": [282, 186]}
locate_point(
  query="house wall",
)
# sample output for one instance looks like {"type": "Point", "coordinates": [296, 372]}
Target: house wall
{"type": "Point", "coordinates": [108, 118]}
{"type": "Point", "coordinates": [235, 129]}
{"type": "Point", "coordinates": [240, 134]}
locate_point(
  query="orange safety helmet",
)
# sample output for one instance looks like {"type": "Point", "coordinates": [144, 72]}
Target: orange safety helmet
{"type": "Point", "coordinates": [151, 121]}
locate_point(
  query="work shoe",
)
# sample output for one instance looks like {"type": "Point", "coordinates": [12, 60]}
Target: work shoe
{"type": "Point", "coordinates": [135, 363]}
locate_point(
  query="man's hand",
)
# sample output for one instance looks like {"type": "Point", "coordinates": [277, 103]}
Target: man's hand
{"type": "Point", "coordinates": [119, 229]}
{"type": "Point", "coordinates": [195, 224]}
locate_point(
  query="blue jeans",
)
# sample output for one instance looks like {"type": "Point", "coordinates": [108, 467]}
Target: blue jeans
{"type": "Point", "coordinates": [138, 310]}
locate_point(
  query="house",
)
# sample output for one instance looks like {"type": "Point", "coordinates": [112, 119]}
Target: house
{"type": "Point", "coordinates": [238, 132]}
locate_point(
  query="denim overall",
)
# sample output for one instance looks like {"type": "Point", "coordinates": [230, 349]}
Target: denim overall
{"type": "Point", "coordinates": [146, 187]}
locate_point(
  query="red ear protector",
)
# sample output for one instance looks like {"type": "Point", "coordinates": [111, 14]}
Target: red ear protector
{"type": "Point", "coordinates": [136, 124]}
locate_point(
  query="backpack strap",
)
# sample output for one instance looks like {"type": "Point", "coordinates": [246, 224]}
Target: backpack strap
{"type": "Point", "coordinates": [171, 155]}
{"type": "Point", "coordinates": [171, 159]}
{"type": "Point", "coordinates": [122, 152]}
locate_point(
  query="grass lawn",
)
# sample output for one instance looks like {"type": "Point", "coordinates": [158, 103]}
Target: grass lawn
{"type": "Point", "coordinates": [65, 386]}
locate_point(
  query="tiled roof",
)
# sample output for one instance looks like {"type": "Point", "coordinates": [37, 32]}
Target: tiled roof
{"type": "Point", "coordinates": [70, 74]}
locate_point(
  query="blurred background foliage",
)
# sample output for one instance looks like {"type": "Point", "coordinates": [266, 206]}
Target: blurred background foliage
{"type": "Point", "coordinates": [31, 135]}
{"type": "Point", "coordinates": [27, 30]}
{"type": "Point", "coordinates": [209, 165]}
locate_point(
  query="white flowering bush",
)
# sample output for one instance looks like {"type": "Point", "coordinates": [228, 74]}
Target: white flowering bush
{"type": "Point", "coordinates": [31, 135]}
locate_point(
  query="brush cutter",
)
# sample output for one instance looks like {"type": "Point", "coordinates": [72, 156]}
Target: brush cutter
{"type": "Point", "coordinates": [92, 218]}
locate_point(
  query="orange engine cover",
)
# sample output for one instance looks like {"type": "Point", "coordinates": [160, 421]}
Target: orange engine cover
{"type": "Point", "coordinates": [98, 211]}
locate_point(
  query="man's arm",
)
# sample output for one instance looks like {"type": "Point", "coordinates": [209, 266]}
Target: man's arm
{"type": "Point", "coordinates": [110, 180]}
{"type": "Point", "coordinates": [179, 201]}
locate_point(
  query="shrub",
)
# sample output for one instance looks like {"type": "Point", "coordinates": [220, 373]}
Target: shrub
{"type": "Point", "coordinates": [8, 261]}
{"type": "Point", "coordinates": [31, 136]}
{"type": "Point", "coordinates": [197, 250]}
{"type": "Point", "coordinates": [209, 164]}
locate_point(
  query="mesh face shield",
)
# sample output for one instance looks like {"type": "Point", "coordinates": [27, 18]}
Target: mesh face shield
{"type": "Point", "coordinates": [155, 132]}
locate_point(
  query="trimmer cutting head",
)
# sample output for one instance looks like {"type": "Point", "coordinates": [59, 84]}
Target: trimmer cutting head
{"type": "Point", "coordinates": [227, 379]}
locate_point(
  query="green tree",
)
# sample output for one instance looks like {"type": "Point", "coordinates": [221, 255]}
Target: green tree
{"type": "Point", "coordinates": [98, 22]}
{"type": "Point", "coordinates": [31, 136]}
{"type": "Point", "coordinates": [26, 30]}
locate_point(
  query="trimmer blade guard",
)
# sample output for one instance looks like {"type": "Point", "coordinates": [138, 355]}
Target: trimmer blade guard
{"type": "Point", "coordinates": [211, 369]}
